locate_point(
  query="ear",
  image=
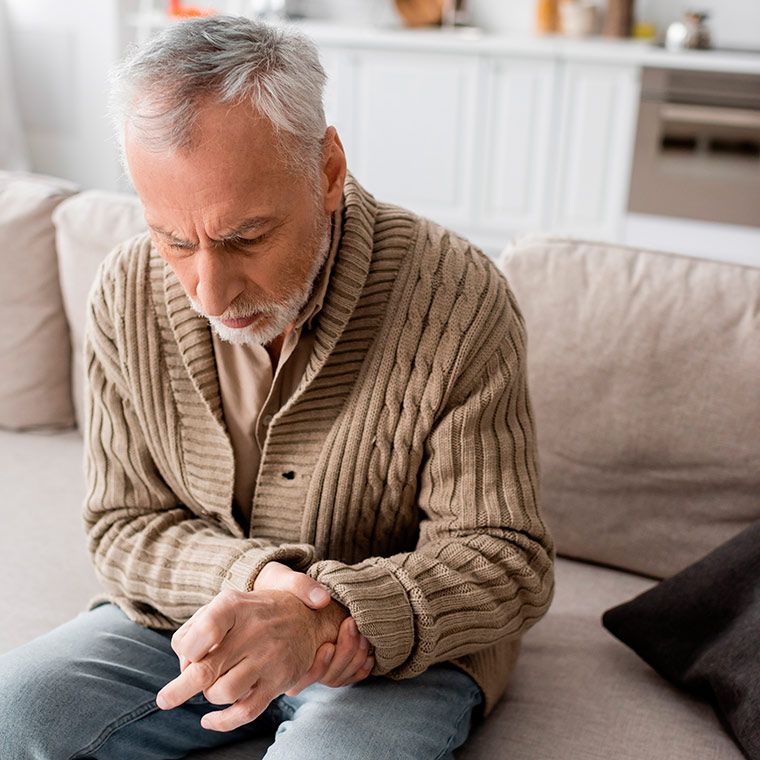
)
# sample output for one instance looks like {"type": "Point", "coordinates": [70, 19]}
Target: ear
{"type": "Point", "coordinates": [333, 170]}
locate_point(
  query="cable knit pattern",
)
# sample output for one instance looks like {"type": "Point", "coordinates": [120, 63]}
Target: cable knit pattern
{"type": "Point", "coordinates": [409, 448]}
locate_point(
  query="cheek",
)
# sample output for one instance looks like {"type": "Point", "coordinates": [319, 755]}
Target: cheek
{"type": "Point", "coordinates": [184, 268]}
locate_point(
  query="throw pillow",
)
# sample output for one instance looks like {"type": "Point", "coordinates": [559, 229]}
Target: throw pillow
{"type": "Point", "coordinates": [35, 390]}
{"type": "Point", "coordinates": [700, 629]}
{"type": "Point", "coordinates": [88, 226]}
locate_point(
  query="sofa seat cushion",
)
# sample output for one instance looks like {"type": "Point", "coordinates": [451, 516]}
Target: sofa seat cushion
{"type": "Point", "coordinates": [47, 571]}
{"type": "Point", "coordinates": [35, 391]}
{"type": "Point", "coordinates": [580, 694]}
{"type": "Point", "coordinates": [643, 369]}
{"type": "Point", "coordinates": [577, 692]}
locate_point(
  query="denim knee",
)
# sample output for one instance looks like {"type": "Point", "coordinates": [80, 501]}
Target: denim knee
{"type": "Point", "coordinates": [39, 705]}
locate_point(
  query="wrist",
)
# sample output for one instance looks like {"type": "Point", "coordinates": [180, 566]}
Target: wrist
{"type": "Point", "coordinates": [329, 619]}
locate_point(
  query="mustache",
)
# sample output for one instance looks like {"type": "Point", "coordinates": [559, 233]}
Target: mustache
{"type": "Point", "coordinates": [243, 306]}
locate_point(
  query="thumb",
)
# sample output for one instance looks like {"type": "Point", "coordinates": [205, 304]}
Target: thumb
{"type": "Point", "coordinates": [275, 576]}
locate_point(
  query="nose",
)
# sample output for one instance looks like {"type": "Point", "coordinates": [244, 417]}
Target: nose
{"type": "Point", "coordinates": [219, 281]}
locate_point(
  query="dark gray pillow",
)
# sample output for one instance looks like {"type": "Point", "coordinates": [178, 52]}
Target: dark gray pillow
{"type": "Point", "coordinates": [700, 629]}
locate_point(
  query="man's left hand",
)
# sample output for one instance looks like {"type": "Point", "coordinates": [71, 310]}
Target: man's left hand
{"type": "Point", "coordinates": [339, 663]}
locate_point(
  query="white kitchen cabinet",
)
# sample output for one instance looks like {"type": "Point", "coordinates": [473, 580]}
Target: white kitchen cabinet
{"type": "Point", "coordinates": [491, 145]}
{"type": "Point", "coordinates": [409, 128]}
{"type": "Point", "coordinates": [515, 155]}
{"type": "Point", "coordinates": [596, 134]}
{"type": "Point", "coordinates": [493, 135]}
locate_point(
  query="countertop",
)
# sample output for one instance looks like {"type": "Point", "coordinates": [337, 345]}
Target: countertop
{"type": "Point", "coordinates": [470, 40]}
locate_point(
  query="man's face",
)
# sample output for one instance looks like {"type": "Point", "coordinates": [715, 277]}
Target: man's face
{"type": "Point", "coordinates": [245, 237]}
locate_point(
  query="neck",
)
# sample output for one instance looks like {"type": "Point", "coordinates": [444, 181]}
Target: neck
{"type": "Point", "coordinates": [274, 348]}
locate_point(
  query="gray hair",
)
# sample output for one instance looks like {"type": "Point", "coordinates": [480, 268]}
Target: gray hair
{"type": "Point", "coordinates": [158, 87]}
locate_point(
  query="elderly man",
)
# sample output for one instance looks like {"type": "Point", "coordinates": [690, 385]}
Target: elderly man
{"type": "Point", "coordinates": [311, 460]}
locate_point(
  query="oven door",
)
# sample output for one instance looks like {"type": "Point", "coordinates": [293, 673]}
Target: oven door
{"type": "Point", "coordinates": [697, 161]}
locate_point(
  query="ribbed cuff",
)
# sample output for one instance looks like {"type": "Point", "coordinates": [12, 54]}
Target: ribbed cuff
{"type": "Point", "coordinates": [243, 571]}
{"type": "Point", "coordinates": [378, 603]}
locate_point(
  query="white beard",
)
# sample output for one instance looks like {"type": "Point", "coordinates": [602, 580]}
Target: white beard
{"type": "Point", "coordinates": [276, 315]}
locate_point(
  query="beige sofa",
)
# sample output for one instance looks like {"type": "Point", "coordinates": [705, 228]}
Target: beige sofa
{"type": "Point", "coordinates": [643, 370]}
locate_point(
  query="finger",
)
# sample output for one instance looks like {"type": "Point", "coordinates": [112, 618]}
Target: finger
{"type": "Point", "coordinates": [243, 711]}
{"type": "Point", "coordinates": [278, 577]}
{"type": "Point", "coordinates": [232, 686]}
{"type": "Point", "coordinates": [207, 630]}
{"type": "Point", "coordinates": [196, 677]}
{"type": "Point", "coordinates": [179, 634]}
{"type": "Point", "coordinates": [346, 648]}
{"type": "Point", "coordinates": [363, 671]}
{"type": "Point", "coordinates": [316, 671]}
{"type": "Point", "coordinates": [357, 662]}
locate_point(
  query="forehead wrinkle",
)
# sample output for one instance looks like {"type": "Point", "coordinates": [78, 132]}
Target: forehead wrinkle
{"type": "Point", "coordinates": [247, 225]}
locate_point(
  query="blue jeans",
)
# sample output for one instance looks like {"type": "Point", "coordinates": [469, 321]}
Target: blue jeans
{"type": "Point", "coordinates": [88, 688]}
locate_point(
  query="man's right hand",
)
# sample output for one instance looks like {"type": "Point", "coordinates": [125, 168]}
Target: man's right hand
{"type": "Point", "coordinates": [347, 660]}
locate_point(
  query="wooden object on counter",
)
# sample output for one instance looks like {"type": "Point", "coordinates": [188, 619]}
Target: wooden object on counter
{"type": "Point", "coordinates": [421, 12]}
{"type": "Point", "coordinates": [618, 21]}
{"type": "Point", "coordinates": [547, 17]}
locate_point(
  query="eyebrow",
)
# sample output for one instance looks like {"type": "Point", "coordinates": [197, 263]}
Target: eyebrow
{"type": "Point", "coordinates": [247, 225]}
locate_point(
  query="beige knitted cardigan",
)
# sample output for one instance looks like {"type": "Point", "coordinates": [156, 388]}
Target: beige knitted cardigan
{"type": "Point", "coordinates": [402, 473]}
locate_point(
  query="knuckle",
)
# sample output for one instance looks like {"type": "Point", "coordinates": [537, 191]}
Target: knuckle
{"type": "Point", "coordinates": [205, 672]}
{"type": "Point", "coordinates": [218, 695]}
{"type": "Point", "coordinates": [227, 597]}
{"type": "Point", "coordinates": [248, 711]}
{"type": "Point", "coordinates": [208, 629]}
{"type": "Point", "coordinates": [176, 640]}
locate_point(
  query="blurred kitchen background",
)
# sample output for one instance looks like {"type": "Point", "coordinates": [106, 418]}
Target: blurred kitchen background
{"type": "Point", "coordinates": [634, 122]}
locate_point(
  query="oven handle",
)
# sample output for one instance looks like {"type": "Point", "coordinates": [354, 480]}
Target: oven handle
{"type": "Point", "coordinates": [710, 116]}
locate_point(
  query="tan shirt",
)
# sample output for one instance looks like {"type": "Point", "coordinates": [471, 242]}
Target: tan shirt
{"type": "Point", "coordinates": [253, 390]}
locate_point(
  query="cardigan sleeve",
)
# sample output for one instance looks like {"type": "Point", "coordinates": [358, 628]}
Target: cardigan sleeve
{"type": "Point", "coordinates": [482, 569]}
{"type": "Point", "coordinates": [156, 557]}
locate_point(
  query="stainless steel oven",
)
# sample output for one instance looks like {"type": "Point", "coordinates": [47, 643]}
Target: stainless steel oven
{"type": "Point", "coordinates": [697, 151]}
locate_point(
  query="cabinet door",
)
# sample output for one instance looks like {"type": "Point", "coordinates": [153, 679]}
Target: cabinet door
{"type": "Point", "coordinates": [516, 150]}
{"type": "Point", "coordinates": [338, 66]}
{"type": "Point", "coordinates": [412, 133]}
{"type": "Point", "coordinates": [597, 121]}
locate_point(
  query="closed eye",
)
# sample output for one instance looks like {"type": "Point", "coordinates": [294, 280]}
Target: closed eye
{"type": "Point", "coordinates": [181, 246]}
{"type": "Point", "coordinates": [237, 241]}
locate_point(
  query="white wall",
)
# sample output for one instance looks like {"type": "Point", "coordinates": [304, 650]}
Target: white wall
{"type": "Point", "coordinates": [62, 50]}
{"type": "Point", "coordinates": [733, 23]}
{"type": "Point", "coordinates": [61, 54]}
{"type": "Point", "coordinates": [12, 143]}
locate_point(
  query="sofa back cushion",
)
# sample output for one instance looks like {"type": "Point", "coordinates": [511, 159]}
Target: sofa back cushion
{"type": "Point", "coordinates": [644, 370]}
{"type": "Point", "coordinates": [88, 227]}
{"type": "Point", "coordinates": [35, 392]}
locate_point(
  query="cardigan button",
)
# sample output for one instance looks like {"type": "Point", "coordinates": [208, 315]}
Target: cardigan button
{"type": "Point", "coordinates": [289, 475]}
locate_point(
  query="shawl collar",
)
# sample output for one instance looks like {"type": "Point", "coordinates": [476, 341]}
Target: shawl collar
{"type": "Point", "coordinates": [189, 355]}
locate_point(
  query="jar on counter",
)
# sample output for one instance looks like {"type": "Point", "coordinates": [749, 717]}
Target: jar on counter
{"type": "Point", "coordinates": [577, 18]}
{"type": "Point", "coordinates": [618, 21]}
{"type": "Point", "coordinates": [547, 21]}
